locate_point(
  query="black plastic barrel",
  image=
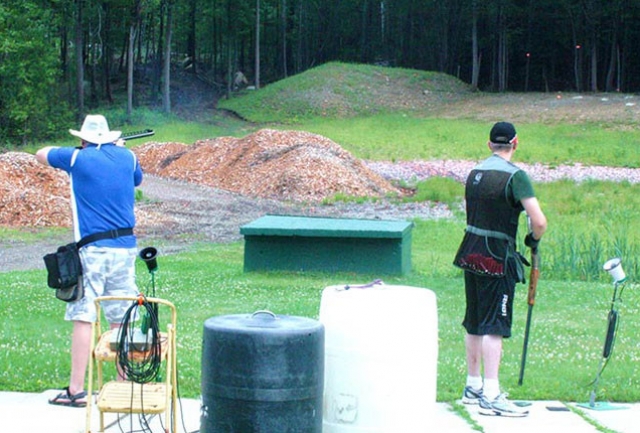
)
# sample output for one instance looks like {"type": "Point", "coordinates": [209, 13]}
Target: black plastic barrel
{"type": "Point", "coordinates": [262, 373]}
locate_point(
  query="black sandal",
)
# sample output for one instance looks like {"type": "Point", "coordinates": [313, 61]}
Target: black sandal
{"type": "Point", "coordinates": [66, 399]}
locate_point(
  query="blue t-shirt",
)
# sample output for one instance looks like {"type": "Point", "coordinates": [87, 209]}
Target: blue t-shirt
{"type": "Point", "coordinates": [103, 180]}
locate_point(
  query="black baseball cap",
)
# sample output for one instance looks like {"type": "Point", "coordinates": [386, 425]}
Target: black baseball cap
{"type": "Point", "coordinates": [502, 133]}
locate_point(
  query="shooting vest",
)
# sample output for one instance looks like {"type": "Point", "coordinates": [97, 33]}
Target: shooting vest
{"type": "Point", "coordinates": [492, 220]}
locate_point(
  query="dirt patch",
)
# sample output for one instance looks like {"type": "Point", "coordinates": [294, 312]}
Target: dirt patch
{"type": "Point", "coordinates": [614, 110]}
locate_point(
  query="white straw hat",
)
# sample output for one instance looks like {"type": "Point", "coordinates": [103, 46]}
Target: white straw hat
{"type": "Point", "coordinates": [95, 130]}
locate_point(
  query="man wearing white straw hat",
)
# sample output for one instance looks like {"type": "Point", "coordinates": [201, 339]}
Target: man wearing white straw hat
{"type": "Point", "coordinates": [103, 175]}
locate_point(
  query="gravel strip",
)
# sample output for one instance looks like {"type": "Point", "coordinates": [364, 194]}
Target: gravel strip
{"type": "Point", "coordinates": [412, 171]}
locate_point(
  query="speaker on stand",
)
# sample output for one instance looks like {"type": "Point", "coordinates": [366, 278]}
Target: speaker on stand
{"type": "Point", "coordinates": [149, 256]}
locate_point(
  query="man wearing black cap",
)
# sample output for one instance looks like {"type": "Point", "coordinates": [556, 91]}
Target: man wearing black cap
{"type": "Point", "coordinates": [496, 193]}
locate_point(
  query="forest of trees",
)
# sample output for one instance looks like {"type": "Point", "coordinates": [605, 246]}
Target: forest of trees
{"type": "Point", "coordinates": [61, 58]}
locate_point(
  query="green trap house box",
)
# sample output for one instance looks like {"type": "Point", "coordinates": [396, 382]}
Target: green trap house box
{"type": "Point", "coordinates": [298, 243]}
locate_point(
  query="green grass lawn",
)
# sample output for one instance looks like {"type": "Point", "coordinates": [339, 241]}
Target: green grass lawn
{"type": "Point", "coordinates": [589, 223]}
{"type": "Point", "coordinates": [567, 335]}
{"type": "Point", "coordinates": [405, 137]}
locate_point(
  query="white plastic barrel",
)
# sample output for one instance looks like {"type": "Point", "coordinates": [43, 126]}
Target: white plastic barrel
{"type": "Point", "coordinates": [381, 354]}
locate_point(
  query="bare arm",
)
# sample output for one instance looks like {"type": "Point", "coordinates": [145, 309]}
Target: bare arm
{"type": "Point", "coordinates": [538, 220]}
{"type": "Point", "coordinates": [41, 155]}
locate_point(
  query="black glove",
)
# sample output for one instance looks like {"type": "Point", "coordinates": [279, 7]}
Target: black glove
{"type": "Point", "coordinates": [531, 242]}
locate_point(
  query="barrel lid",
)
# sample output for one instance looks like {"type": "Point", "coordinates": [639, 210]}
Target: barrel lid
{"type": "Point", "coordinates": [261, 320]}
{"type": "Point", "coordinates": [285, 225]}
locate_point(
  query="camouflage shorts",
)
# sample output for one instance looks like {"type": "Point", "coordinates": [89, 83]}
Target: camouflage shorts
{"type": "Point", "coordinates": [106, 272]}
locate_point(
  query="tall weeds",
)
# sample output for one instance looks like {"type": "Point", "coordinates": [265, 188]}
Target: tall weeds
{"type": "Point", "coordinates": [575, 257]}
{"type": "Point", "coordinates": [589, 223]}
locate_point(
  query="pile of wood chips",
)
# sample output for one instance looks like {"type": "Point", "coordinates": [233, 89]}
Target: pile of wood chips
{"type": "Point", "coordinates": [283, 165]}
{"type": "Point", "coordinates": [32, 195]}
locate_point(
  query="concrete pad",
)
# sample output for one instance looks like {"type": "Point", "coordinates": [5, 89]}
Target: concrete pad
{"type": "Point", "coordinates": [619, 417]}
{"type": "Point", "coordinates": [446, 420]}
{"type": "Point", "coordinates": [544, 416]}
{"type": "Point", "coordinates": [30, 412]}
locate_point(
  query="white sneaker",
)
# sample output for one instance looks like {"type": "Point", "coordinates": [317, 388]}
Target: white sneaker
{"type": "Point", "coordinates": [471, 396]}
{"type": "Point", "coordinates": [500, 406]}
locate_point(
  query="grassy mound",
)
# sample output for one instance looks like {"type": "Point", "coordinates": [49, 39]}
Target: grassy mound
{"type": "Point", "coordinates": [340, 90]}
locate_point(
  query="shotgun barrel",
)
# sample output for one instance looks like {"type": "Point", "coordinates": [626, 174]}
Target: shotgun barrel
{"type": "Point", "coordinates": [137, 134]}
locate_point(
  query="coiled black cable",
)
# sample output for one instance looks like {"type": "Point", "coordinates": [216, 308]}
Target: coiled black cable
{"type": "Point", "coordinates": [143, 368]}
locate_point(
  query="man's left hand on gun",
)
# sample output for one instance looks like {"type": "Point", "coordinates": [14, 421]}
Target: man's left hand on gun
{"type": "Point", "coordinates": [531, 242]}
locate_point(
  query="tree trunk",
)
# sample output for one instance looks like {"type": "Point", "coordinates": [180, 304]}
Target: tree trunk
{"type": "Point", "coordinates": [79, 60]}
{"type": "Point", "coordinates": [135, 18]}
{"type": "Point", "coordinates": [301, 45]}
{"type": "Point", "coordinates": [577, 66]}
{"type": "Point", "coordinates": [230, 38]}
{"type": "Point", "coordinates": [93, 56]}
{"type": "Point", "coordinates": [611, 70]}
{"type": "Point", "coordinates": [619, 74]}
{"type": "Point", "coordinates": [107, 54]}
{"type": "Point", "coordinates": [594, 68]}
{"type": "Point", "coordinates": [364, 32]}
{"type": "Point", "coordinates": [257, 54]}
{"type": "Point", "coordinates": [502, 60]}
{"type": "Point", "coordinates": [385, 29]}
{"type": "Point", "coordinates": [130, 56]}
{"type": "Point", "coordinates": [444, 23]}
{"type": "Point", "coordinates": [285, 71]}
{"type": "Point", "coordinates": [166, 70]}
{"type": "Point", "coordinates": [475, 68]}
{"type": "Point", "coordinates": [502, 50]}
{"type": "Point", "coordinates": [64, 53]}
{"type": "Point", "coordinates": [191, 38]}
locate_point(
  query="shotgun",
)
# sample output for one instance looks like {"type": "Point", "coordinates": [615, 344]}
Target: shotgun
{"type": "Point", "coordinates": [126, 136]}
{"type": "Point", "coordinates": [531, 300]}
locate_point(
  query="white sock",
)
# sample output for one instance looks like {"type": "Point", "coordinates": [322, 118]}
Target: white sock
{"type": "Point", "coordinates": [475, 382]}
{"type": "Point", "coordinates": [491, 389]}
